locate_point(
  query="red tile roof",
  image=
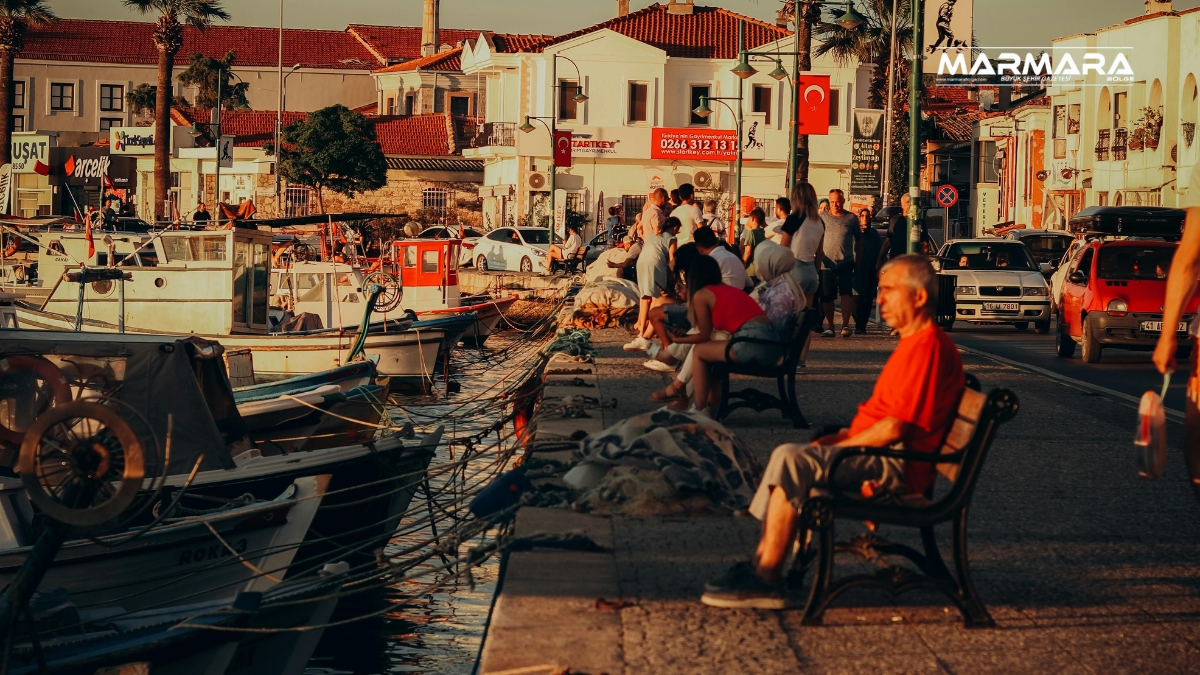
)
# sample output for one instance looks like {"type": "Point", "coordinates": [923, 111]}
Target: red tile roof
{"type": "Point", "coordinates": [1147, 17]}
{"type": "Point", "coordinates": [429, 134]}
{"type": "Point", "coordinates": [450, 60]}
{"type": "Point", "coordinates": [371, 108]}
{"type": "Point", "coordinates": [132, 42]}
{"type": "Point", "coordinates": [707, 33]}
{"type": "Point", "coordinates": [252, 128]}
{"type": "Point", "coordinates": [395, 43]}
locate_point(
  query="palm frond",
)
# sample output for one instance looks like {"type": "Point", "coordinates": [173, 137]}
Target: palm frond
{"type": "Point", "coordinates": [29, 12]}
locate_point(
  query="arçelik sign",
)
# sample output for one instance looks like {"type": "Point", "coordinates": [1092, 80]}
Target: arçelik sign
{"type": "Point", "coordinates": [131, 140]}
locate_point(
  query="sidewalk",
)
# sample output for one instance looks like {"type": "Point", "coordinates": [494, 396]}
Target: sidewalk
{"type": "Point", "coordinates": [1085, 567]}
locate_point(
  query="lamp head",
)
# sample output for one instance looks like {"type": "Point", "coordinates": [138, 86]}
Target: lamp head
{"type": "Point", "coordinates": [526, 127]}
{"type": "Point", "coordinates": [702, 111]}
{"type": "Point", "coordinates": [296, 67]}
{"type": "Point", "coordinates": [743, 69]}
{"type": "Point", "coordinates": [779, 74]}
{"type": "Point", "coordinates": [851, 19]}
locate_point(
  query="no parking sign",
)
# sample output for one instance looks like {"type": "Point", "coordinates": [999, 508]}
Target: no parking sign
{"type": "Point", "coordinates": [947, 196]}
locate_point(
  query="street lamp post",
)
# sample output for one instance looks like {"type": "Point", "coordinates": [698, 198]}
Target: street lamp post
{"type": "Point", "coordinates": [279, 121]}
{"type": "Point", "coordinates": [704, 111]}
{"type": "Point", "coordinates": [914, 125]}
{"type": "Point", "coordinates": [552, 127]}
{"type": "Point", "coordinates": [528, 128]}
{"type": "Point", "coordinates": [217, 135]}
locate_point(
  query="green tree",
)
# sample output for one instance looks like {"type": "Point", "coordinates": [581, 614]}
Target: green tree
{"type": "Point", "coordinates": [16, 16]}
{"type": "Point", "coordinates": [334, 148]}
{"type": "Point", "coordinates": [168, 39]}
{"type": "Point", "coordinates": [143, 98]}
{"type": "Point", "coordinates": [205, 73]}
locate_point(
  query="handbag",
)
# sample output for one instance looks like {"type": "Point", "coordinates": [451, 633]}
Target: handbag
{"type": "Point", "coordinates": [1150, 441]}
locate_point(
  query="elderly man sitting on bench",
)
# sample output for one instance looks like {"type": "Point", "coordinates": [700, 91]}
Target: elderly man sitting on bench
{"type": "Point", "coordinates": [913, 403]}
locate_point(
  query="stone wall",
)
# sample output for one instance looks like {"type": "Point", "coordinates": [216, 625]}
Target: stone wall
{"type": "Point", "coordinates": [403, 194]}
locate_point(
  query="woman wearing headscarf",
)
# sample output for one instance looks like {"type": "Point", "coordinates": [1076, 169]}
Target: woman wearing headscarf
{"type": "Point", "coordinates": [778, 293]}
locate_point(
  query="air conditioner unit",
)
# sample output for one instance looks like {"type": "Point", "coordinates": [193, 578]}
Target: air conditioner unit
{"type": "Point", "coordinates": [709, 181]}
{"type": "Point", "coordinates": [538, 181]}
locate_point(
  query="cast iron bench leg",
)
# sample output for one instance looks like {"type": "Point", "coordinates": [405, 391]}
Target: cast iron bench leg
{"type": "Point", "coordinates": [975, 613]}
{"type": "Point", "coordinates": [819, 518]}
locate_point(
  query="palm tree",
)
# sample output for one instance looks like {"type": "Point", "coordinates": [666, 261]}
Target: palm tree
{"type": "Point", "coordinates": [168, 38]}
{"type": "Point", "coordinates": [871, 43]}
{"type": "Point", "coordinates": [15, 17]}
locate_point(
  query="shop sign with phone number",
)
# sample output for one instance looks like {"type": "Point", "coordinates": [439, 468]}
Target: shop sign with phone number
{"type": "Point", "coordinates": [712, 145]}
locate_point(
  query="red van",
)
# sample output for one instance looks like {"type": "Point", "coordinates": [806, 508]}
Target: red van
{"type": "Point", "coordinates": [1116, 283]}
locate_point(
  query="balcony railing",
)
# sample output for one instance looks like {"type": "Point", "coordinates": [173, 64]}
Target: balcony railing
{"type": "Point", "coordinates": [474, 133]}
{"type": "Point", "coordinates": [1102, 145]}
{"type": "Point", "coordinates": [1120, 144]}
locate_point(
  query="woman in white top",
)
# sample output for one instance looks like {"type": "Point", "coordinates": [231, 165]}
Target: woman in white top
{"type": "Point", "coordinates": [804, 233]}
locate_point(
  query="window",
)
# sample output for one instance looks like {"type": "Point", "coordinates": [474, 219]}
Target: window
{"type": "Point", "coordinates": [18, 122]}
{"type": "Point", "coordinates": [698, 91]}
{"type": "Point", "coordinates": [410, 256]}
{"type": "Point", "coordinates": [1101, 199]}
{"type": "Point", "coordinates": [410, 103]}
{"type": "Point", "coordinates": [460, 106]}
{"type": "Point", "coordinates": [639, 93]}
{"type": "Point", "coordinates": [429, 262]}
{"type": "Point", "coordinates": [107, 123]}
{"type": "Point", "coordinates": [500, 235]}
{"type": "Point", "coordinates": [391, 107]}
{"type": "Point", "coordinates": [835, 107]}
{"type": "Point", "coordinates": [433, 198]}
{"type": "Point", "coordinates": [987, 163]}
{"type": "Point", "coordinates": [18, 97]}
{"type": "Point", "coordinates": [62, 96]}
{"type": "Point", "coordinates": [1085, 263]}
{"type": "Point", "coordinates": [1120, 106]}
{"type": "Point", "coordinates": [1132, 262]}
{"type": "Point", "coordinates": [1060, 121]}
{"type": "Point", "coordinates": [112, 97]}
{"type": "Point", "coordinates": [761, 101]}
{"type": "Point", "coordinates": [568, 108]}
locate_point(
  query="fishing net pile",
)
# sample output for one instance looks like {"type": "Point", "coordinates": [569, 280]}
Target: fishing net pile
{"type": "Point", "coordinates": [604, 303]}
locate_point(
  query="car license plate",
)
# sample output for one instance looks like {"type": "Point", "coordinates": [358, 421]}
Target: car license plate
{"type": "Point", "coordinates": [1001, 306]}
{"type": "Point", "coordinates": [1156, 326]}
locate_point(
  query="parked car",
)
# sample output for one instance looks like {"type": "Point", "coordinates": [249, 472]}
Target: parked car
{"type": "Point", "coordinates": [514, 248]}
{"type": "Point", "coordinates": [469, 239]}
{"type": "Point", "coordinates": [1047, 246]}
{"type": "Point", "coordinates": [998, 282]}
{"type": "Point", "coordinates": [597, 245]}
{"type": "Point", "coordinates": [1114, 289]}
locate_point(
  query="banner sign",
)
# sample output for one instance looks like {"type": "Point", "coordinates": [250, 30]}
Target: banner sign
{"type": "Point", "coordinates": [562, 149]}
{"type": "Point", "coordinates": [28, 151]}
{"type": "Point", "coordinates": [94, 166]}
{"type": "Point", "coordinates": [947, 32]}
{"type": "Point", "coordinates": [866, 154]}
{"type": "Point", "coordinates": [225, 151]}
{"type": "Point", "coordinates": [131, 140]}
{"type": "Point", "coordinates": [702, 145]}
{"type": "Point", "coordinates": [5, 187]}
{"type": "Point", "coordinates": [812, 111]}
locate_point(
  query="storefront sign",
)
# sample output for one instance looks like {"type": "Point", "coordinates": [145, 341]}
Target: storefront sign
{"type": "Point", "coordinates": [5, 187]}
{"type": "Point", "coordinates": [655, 179]}
{"type": "Point", "coordinates": [28, 151]}
{"type": "Point", "coordinates": [703, 145]}
{"type": "Point", "coordinates": [92, 166]}
{"type": "Point", "coordinates": [812, 111]}
{"type": "Point", "coordinates": [866, 155]}
{"type": "Point", "coordinates": [588, 142]}
{"type": "Point", "coordinates": [131, 140]}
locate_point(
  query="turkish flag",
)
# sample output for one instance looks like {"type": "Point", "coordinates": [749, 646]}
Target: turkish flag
{"type": "Point", "coordinates": [812, 111]}
{"type": "Point", "coordinates": [562, 149]}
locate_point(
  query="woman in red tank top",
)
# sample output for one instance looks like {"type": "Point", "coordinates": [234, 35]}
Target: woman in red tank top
{"type": "Point", "coordinates": [715, 306]}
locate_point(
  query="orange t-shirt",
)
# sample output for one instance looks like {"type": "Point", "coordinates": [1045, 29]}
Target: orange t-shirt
{"type": "Point", "coordinates": [920, 385]}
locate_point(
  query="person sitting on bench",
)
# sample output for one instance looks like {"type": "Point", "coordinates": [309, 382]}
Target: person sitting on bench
{"type": "Point", "coordinates": [913, 403]}
{"type": "Point", "coordinates": [560, 253]}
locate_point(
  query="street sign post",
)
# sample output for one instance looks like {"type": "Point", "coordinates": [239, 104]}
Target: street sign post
{"type": "Point", "coordinates": [947, 196]}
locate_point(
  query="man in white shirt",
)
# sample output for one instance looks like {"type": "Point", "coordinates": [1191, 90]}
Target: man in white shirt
{"type": "Point", "coordinates": [712, 220]}
{"type": "Point", "coordinates": [733, 272]}
{"type": "Point", "coordinates": [783, 206]}
{"type": "Point", "coordinates": [688, 213]}
{"type": "Point", "coordinates": [560, 253]}
{"type": "Point", "coordinates": [614, 261]}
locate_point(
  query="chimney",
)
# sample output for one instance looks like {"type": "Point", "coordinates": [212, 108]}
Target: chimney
{"type": "Point", "coordinates": [622, 8]}
{"type": "Point", "coordinates": [430, 40]}
{"type": "Point", "coordinates": [680, 7]}
{"type": "Point", "coordinates": [1156, 6]}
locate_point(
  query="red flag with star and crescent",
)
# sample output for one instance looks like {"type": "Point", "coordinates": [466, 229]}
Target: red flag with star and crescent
{"type": "Point", "coordinates": [812, 111]}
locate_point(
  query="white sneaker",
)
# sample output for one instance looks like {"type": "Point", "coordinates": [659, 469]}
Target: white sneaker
{"type": "Point", "coordinates": [693, 410]}
{"type": "Point", "coordinates": [653, 350]}
{"type": "Point", "coordinates": [639, 344]}
{"type": "Point", "coordinates": [658, 366]}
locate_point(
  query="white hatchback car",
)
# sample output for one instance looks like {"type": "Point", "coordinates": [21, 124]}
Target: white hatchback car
{"type": "Point", "coordinates": [513, 249]}
{"type": "Point", "coordinates": [998, 282]}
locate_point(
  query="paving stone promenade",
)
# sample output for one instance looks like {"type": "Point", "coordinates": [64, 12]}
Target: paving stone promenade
{"type": "Point", "coordinates": [1085, 567]}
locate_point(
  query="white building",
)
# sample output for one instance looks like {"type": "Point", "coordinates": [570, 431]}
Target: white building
{"type": "Point", "coordinates": [1008, 176]}
{"type": "Point", "coordinates": [643, 74]}
{"type": "Point", "coordinates": [1129, 140]}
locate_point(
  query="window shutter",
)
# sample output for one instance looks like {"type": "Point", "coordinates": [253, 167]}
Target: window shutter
{"type": "Point", "coordinates": [79, 101]}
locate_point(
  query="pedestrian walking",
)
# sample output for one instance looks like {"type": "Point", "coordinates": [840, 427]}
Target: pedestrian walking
{"type": "Point", "coordinates": [653, 265]}
{"type": "Point", "coordinates": [674, 200]}
{"type": "Point", "coordinates": [866, 273]}
{"type": "Point", "coordinates": [843, 240]}
{"type": "Point", "coordinates": [895, 244]}
{"type": "Point", "coordinates": [783, 207]}
{"type": "Point", "coordinates": [713, 221]}
{"type": "Point", "coordinates": [752, 236]}
{"type": "Point", "coordinates": [688, 213]}
{"type": "Point", "coordinates": [804, 233]}
{"type": "Point", "coordinates": [614, 221]}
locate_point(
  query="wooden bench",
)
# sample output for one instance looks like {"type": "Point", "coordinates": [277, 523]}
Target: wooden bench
{"type": "Point", "coordinates": [575, 262]}
{"type": "Point", "coordinates": [784, 374]}
{"type": "Point", "coordinates": [960, 460]}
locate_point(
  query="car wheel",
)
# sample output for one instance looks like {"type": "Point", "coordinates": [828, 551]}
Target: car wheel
{"type": "Point", "coordinates": [481, 264]}
{"type": "Point", "coordinates": [1041, 327]}
{"type": "Point", "coordinates": [526, 264]}
{"type": "Point", "coordinates": [1091, 349]}
{"type": "Point", "coordinates": [1063, 344]}
{"type": "Point", "coordinates": [947, 324]}
{"type": "Point", "coordinates": [1021, 325]}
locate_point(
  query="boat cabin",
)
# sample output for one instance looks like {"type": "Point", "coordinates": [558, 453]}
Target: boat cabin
{"type": "Point", "coordinates": [428, 271]}
{"type": "Point", "coordinates": [210, 282]}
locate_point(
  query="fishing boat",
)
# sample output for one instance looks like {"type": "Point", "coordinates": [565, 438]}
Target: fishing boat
{"type": "Point", "coordinates": [210, 283]}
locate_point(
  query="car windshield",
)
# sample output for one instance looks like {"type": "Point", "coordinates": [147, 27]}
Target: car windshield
{"type": "Point", "coordinates": [438, 233]}
{"type": "Point", "coordinates": [538, 236]}
{"type": "Point", "coordinates": [1134, 262]}
{"type": "Point", "coordinates": [472, 233]}
{"type": "Point", "coordinates": [1046, 247]}
{"type": "Point", "coordinates": [988, 256]}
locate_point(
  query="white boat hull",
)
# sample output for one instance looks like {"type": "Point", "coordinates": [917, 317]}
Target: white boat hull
{"type": "Point", "coordinates": [405, 355]}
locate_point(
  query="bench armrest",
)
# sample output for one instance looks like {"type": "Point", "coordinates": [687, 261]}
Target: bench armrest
{"type": "Point", "coordinates": [909, 455]}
